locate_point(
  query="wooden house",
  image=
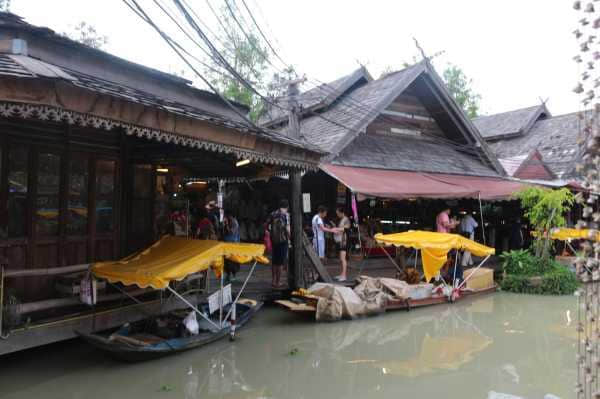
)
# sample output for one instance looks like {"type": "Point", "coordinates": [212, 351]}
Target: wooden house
{"type": "Point", "coordinates": [400, 137]}
{"type": "Point", "coordinates": [88, 143]}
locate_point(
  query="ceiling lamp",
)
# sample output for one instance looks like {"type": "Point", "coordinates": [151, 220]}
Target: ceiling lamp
{"type": "Point", "coordinates": [242, 162]}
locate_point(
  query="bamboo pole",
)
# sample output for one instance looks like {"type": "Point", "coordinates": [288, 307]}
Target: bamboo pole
{"type": "Point", "coordinates": [31, 307]}
{"type": "Point", "coordinates": [46, 272]}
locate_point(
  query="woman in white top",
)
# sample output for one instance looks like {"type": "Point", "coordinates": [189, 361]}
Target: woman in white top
{"type": "Point", "coordinates": [319, 229]}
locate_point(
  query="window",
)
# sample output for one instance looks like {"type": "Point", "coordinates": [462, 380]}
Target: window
{"type": "Point", "coordinates": [18, 165]}
{"type": "Point", "coordinates": [77, 220]}
{"type": "Point", "coordinates": [105, 196]}
{"type": "Point", "coordinates": [47, 199]}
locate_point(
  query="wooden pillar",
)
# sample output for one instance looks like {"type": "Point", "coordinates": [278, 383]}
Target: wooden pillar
{"type": "Point", "coordinates": [125, 189]}
{"type": "Point", "coordinates": [295, 272]}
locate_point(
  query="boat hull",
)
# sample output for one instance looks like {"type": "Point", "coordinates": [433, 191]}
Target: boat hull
{"type": "Point", "coordinates": [132, 353]}
{"type": "Point", "coordinates": [308, 308]}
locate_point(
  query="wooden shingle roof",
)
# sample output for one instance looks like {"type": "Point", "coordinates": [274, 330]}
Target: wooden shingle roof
{"type": "Point", "coordinates": [556, 140]}
{"type": "Point", "coordinates": [316, 98]}
{"type": "Point", "coordinates": [511, 123]}
{"type": "Point", "coordinates": [410, 154]}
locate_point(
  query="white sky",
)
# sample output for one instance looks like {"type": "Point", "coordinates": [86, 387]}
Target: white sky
{"type": "Point", "coordinates": [516, 51]}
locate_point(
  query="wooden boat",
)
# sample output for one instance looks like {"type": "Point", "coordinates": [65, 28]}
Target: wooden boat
{"type": "Point", "coordinates": [168, 260]}
{"type": "Point", "coordinates": [164, 335]}
{"type": "Point", "coordinates": [307, 304]}
{"type": "Point", "coordinates": [434, 249]}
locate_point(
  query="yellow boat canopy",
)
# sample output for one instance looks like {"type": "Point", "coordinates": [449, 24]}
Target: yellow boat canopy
{"type": "Point", "coordinates": [434, 247]}
{"type": "Point", "coordinates": [564, 234]}
{"type": "Point", "coordinates": [174, 258]}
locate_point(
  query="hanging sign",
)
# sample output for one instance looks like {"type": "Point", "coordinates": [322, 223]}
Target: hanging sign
{"type": "Point", "coordinates": [213, 300]}
{"type": "Point", "coordinates": [88, 290]}
{"type": "Point", "coordinates": [306, 202]}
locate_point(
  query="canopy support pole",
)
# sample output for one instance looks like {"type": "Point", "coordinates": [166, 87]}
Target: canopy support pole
{"type": "Point", "coordinates": [241, 290]}
{"type": "Point", "coordinates": [221, 301]}
{"type": "Point", "coordinates": [389, 257]}
{"type": "Point", "coordinates": [182, 299]}
{"type": "Point", "coordinates": [473, 272]}
{"type": "Point", "coordinates": [454, 273]}
{"type": "Point", "coordinates": [481, 216]}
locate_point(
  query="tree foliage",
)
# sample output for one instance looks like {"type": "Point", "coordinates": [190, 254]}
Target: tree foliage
{"type": "Point", "coordinates": [244, 51]}
{"type": "Point", "coordinates": [460, 87]}
{"type": "Point", "coordinates": [5, 5]}
{"type": "Point", "coordinates": [545, 209]}
{"type": "Point", "coordinates": [86, 34]}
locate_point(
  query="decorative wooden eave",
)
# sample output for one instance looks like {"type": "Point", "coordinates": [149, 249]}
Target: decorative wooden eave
{"type": "Point", "coordinates": [61, 101]}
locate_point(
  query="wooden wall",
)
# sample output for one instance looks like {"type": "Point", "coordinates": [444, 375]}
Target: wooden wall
{"type": "Point", "coordinates": [59, 199]}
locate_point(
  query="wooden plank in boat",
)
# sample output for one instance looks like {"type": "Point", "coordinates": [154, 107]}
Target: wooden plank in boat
{"type": "Point", "coordinates": [296, 307]}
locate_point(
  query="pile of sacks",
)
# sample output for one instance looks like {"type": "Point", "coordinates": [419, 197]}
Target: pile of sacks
{"type": "Point", "coordinates": [369, 297]}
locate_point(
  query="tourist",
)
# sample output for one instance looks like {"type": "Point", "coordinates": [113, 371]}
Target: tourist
{"type": "Point", "coordinates": [319, 229]}
{"type": "Point", "coordinates": [467, 229]}
{"type": "Point", "coordinates": [205, 230]}
{"type": "Point", "coordinates": [231, 233]}
{"type": "Point", "coordinates": [279, 232]}
{"type": "Point", "coordinates": [342, 241]}
{"type": "Point", "coordinates": [443, 223]}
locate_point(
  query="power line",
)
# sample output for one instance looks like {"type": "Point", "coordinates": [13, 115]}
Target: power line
{"type": "Point", "coordinates": [141, 13]}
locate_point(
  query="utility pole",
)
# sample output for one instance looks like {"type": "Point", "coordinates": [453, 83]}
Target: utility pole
{"type": "Point", "coordinates": [295, 269]}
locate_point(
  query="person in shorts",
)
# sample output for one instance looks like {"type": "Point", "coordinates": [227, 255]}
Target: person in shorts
{"type": "Point", "coordinates": [342, 242]}
{"type": "Point", "coordinates": [279, 230]}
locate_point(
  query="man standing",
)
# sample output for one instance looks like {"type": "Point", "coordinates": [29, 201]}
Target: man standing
{"type": "Point", "coordinates": [280, 234]}
{"type": "Point", "coordinates": [467, 229]}
{"type": "Point", "coordinates": [319, 230]}
{"type": "Point", "coordinates": [443, 223]}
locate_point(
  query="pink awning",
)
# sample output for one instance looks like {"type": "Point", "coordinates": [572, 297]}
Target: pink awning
{"type": "Point", "coordinates": [401, 185]}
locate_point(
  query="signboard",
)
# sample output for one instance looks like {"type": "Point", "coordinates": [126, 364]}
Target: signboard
{"type": "Point", "coordinates": [306, 202]}
{"type": "Point", "coordinates": [213, 300]}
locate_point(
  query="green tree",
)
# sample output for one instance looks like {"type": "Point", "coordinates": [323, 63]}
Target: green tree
{"type": "Point", "coordinates": [86, 34]}
{"type": "Point", "coordinates": [545, 209]}
{"type": "Point", "coordinates": [459, 87]}
{"type": "Point", "coordinates": [5, 5]}
{"type": "Point", "coordinates": [244, 51]}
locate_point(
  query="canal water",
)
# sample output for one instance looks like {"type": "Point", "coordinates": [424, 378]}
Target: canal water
{"type": "Point", "coordinates": [498, 346]}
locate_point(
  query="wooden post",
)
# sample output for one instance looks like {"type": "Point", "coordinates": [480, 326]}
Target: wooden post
{"type": "Point", "coordinates": [295, 269]}
{"type": "Point", "coordinates": [295, 273]}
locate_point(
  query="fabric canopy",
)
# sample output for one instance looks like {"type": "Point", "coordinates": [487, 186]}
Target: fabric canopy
{"type": "Point", "coordinates": [173, 258]}
{"type": "Point", "coordinates": [434, 247]}
{"type": "Point", "coordinates": [564, 234]}
{"type": "Point", "coordinates": [402, 185]}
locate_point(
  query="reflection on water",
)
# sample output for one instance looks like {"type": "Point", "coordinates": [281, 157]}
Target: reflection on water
{"type": "Point", "coordinates": [465, 350]}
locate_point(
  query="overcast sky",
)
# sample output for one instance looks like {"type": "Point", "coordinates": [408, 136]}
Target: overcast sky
{"type": "Point", "coordinates": [516, 51]}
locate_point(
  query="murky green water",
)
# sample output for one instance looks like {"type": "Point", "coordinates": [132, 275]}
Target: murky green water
{"type": "Point", "coordinates": [511, 344]}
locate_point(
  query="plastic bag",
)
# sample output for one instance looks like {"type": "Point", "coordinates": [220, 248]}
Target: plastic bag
{"type": "Point", "coordinates": [191, 323]}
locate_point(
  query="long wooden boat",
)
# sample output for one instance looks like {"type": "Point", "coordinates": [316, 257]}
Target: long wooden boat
{"type": "Point", "coordinates": [164, 335]}
{"type": "Point", "coordinates": [307, 304]}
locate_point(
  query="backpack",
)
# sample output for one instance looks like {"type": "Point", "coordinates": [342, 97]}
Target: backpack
{"type": "Point", "coordinates": [278, 228]}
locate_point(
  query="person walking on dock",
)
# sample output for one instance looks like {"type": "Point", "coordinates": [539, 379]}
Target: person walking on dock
{"type": "Point", "coordinates": [279, 230]}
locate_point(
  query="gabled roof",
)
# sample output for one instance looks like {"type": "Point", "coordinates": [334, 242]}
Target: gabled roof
{"type": "Point", "coordinates": [511, 123]}
{"type": "Point", "coordinates": [348, 117]}
{"type": "Point", "coordinates": [527, 166]}
{"type": "Point", "coordinates": [410, 154]}
{"type": "Point", "coordinates": [316, 98]}
{"type": "Point", "coordinates": [556, 140]}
